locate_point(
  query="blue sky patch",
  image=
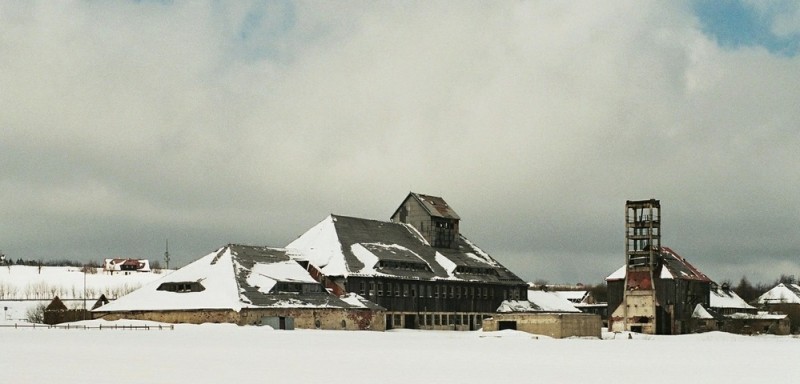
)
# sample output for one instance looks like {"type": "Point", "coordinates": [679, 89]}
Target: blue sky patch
{"type": "Point", "coordinates": [734, 24]}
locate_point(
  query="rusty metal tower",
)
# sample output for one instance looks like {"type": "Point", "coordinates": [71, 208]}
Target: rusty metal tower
{"type": "Point", "coordinates": [642, 247]}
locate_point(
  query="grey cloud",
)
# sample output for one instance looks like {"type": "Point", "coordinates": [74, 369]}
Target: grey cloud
{"type": "Point", "coordinates": [536, 121]}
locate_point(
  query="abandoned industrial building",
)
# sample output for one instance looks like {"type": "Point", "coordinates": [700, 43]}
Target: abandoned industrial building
{"type": "Point", "coordinates": [414, 271]}
{"type": "Point", "coordinates": [659, 292]}
{"type": "Point", "coordinates": [244, 285]}
{"type": "Point", "coordinates": [418, 266]}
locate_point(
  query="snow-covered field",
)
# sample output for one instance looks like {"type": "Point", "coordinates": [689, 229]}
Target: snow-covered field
{"type": "Point", "coordinates": [231, 354]}
{"type": "Point", "coordinates": [28, 283]}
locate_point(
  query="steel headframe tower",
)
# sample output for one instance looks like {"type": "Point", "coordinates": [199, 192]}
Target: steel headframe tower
{"type": "Point", "coordinates": [642, 247]}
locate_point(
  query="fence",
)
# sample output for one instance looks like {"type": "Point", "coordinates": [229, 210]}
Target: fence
{"type": "Point", "coordinates": [159, 327]}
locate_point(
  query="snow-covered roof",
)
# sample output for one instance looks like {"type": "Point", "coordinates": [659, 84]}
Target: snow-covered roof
{"type": "Point", "coordinates": [701, 313]}
{"type": "Point", "coordinates": [232, 277]}
{"type": "Point", "coordinates": [344, 246]}
{"type": "Point", "coordinates": [722, 298]}
{"type": "Point", "coordinates": [538, 301]}
{"type": "Point", "coordinates": [572, 296]}
{"type": "Point", "coordinates": [781, 293]}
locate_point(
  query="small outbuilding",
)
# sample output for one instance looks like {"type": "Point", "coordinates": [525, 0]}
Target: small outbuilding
{"type": "Point", "coordinates": [544, 313]}
{"type": "Point", "coordinates": [784, 298]}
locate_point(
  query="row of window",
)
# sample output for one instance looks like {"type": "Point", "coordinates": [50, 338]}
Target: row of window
{"type": "Point", "coordinates": [436, 319]}
{"type": "Point", "coordinates": [432, 291]}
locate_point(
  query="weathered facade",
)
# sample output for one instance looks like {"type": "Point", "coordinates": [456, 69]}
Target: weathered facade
{"type": "Point", "coordinates": [417, 266]}
{"type": "Point", "coordinates": [677, 288]}
{"type": "Point", "coordinates": [556, 325]}
{"type": "Point", "coordinates": [657, 290]}
{"type": "Point", "coordinates": [245, 285]}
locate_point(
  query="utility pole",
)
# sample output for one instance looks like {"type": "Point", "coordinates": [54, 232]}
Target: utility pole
{"type": "Point", "coordinates": [166, 255]}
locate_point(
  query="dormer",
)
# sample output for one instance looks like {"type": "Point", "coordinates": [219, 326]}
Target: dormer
{"type": "Point", "coordinates": [431, 216]}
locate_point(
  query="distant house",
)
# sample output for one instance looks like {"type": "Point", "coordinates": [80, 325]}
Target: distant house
{"type": "Point", "coordinates": [126, 265]}
{"type": "Point", "coordinates": [783, 298]}
{"type": "Point", "coordinates": [418, 265]}
{"type": "Point", "coordinates": [243, 284]}
{"type": "Point", "coordinates": [544, 313]}
{"type": "Point", "coordinates": [727, 312]}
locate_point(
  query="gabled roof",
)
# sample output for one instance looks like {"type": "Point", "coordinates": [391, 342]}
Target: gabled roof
{"type": "Point", "coordinates": [781, 293]}
{"type": "Point", "coordinates": [347, 246]}
{"type": "Point", "coordinates": [234, 277]}
{"type": "Point", "coordinates": [670, 266]}
{"type": "Point", "coordinates": [434, 205]}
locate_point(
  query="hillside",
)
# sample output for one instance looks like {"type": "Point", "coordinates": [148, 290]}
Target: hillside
{"type": "Point", "coordinates": [23, 287]}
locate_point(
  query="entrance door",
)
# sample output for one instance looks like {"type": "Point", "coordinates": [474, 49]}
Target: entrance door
{"type": "Point", "coordinates": [501, 325]}
{"type": "Point", "coordinates": [410, 322]}
{"type": "Point", "coordinates": [389, 322]}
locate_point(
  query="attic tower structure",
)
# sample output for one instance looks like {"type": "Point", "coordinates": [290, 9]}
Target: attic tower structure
{"type": "Point", "coordinates": [432, 217]}
{"type": "Point", "coordinates": [642, 246]}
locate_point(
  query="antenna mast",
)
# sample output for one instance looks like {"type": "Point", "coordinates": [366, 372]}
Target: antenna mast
{"type": "Point", "coordinates": [166, 255]}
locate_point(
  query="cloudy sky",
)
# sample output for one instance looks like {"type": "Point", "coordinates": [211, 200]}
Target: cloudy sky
{"type": "Point", "coordinates": [124, 124]}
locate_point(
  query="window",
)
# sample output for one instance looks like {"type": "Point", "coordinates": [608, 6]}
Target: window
{"type": "Point", "coordinates": [430, 291]}
{"type": "Point", "coordinates": [405, 290]}
{"type": "Point", "coordinates": [413, 290]}
{"type": "Point", "coordinates": [362, 288]}
{"type": "Point", "coordinates": [436, 319]}
{"type": "Point", "coordinates": [436, 295]}
{"type": "Point", "coordinates": [389, 289]}
{"type": "Point", "coordinates": [372, 288]}
{"type": "Point", "coordinates": [181, 287]}
{"type": "Point", "coordinates": [452, 292]}
{"type": "Point", "coordinates": [397, 289]}
{"type": "Point", "coordinates": [428, 319]}
{"type": "Point", "coordinates": [458, 292]}
{"type": "Point", "coordinates": [380, 289]}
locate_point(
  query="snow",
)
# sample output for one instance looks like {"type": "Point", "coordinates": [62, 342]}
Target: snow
{"type": "Point", "coordinates": [448, 265]}
{"type": "Point", "coordinates": [781, 293]}
{"type": "Point", "coordinates": [619, 274]}
{"type": "Point", "coordinates": [320, 246]}
{"type": "Point", "coordinates": [551, 301]}
{"type": "Point", "coordinates": [224, 353]}
{"type": "Point", "coordinates": [720, 298]}
{"type": "Point", "coordinates": [665, 273]}
{"type": "Point", "coordinates": [265, 276]}
{"type": "Point", "coordinates": [367, 258]}
{"type": "Point", "coordinates": [23, 287]}
{"type": "Point", "coordinates": [220, 292]}
{"type": "Point", "coordinates": [572, 296]}
{"type": "Point", "coordinates": [701, 313]}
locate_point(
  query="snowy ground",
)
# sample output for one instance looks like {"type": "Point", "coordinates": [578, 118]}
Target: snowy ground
{"type": "Point", "coordinates": [23, 287]}
{"type": "Point", "coordinates": [231, 354]}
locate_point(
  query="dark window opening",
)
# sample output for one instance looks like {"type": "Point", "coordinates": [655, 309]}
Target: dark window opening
{"type": "Point", "coordinates": [182, 287]}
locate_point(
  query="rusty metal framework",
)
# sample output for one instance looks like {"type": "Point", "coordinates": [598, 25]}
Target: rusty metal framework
{"type": "Point", "coordinates": [642, 246]}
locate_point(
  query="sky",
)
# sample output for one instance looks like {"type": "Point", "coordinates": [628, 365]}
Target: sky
{"type": "Point", "coordinates": [125, 124]}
